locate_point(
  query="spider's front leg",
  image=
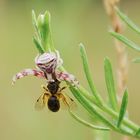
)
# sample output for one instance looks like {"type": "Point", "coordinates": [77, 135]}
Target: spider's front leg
{"type": "Point", "coordinates": [27, 72]}
{"type": "Point", "coordinates": [64, 76]}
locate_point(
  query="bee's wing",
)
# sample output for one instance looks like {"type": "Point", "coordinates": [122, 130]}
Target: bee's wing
{"type": "Point", "coordinates": [41, 102]}
{"type": "Point", "coordinates": [67, 102]}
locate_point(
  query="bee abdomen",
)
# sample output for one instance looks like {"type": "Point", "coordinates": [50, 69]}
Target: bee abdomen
{"type": "Point", "coordinates": [53, 104]}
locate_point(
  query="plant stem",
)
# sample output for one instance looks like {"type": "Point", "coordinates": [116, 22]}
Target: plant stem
{"type": "Point", "coordinates": [110, 111]}
{"type": "Point", "coordinates": [127, 122]}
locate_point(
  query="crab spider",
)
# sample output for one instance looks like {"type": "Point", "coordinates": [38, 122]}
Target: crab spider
{"type": "Point", "coordinates": [47, 64]}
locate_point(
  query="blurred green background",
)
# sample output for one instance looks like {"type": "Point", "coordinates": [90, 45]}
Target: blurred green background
{"type": "Point", "coordinates": [73, 21]}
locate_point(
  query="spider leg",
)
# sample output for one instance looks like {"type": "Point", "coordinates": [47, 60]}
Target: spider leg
{"type": "Point", "coordinates": [64, 76]}
{"type": "Point", "coordinates": [27, 72]}
{"type": "Point", "coordinates": [59, 60]}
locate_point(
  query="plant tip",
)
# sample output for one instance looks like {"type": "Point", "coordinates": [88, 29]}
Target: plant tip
{"type": "Point", "coordinates": [81, 45]}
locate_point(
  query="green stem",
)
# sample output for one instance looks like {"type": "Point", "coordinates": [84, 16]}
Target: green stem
{"type": "Point", "coordinates": [125, 121]}
{"type": "Point", "coordinates": [96, 111]}
{"type": "Point", "coordinates": [114, 114]}
{"type": "Point", "coordinates": [108, 110]}
{"type": "Point", "coordinates": [88, 124]}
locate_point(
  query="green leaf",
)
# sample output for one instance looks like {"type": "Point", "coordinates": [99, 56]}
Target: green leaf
{"type": "Point", "coordinates": [110, 84]}
{"type": "Point", "coordinates": [34, 21]}
{"type": "Point", "coordinates": [43, 25]}
{"type": "Point", "coordinates": [88, 73]}
{"type": "Point", "coordinates": [86, 123]}
{"type": "Point", "coordinates": [126, 41]}
{"type": "Point", "coordinates": [81, 92]}
{"type": "Point", "coordinates": [91, 108]}
{"type": "Point", "coordinates": [43, 22]}
{"type": "Point", "coordinates": [38, 46]}
{"type": "Point", "coordinates": [136, 60]}
{"type": "Point", "coordinates": [137, 132]}
{"type": "Point", "coordinates": [123, 108]}
{"type": "Point", "coordinates": [128, 21]}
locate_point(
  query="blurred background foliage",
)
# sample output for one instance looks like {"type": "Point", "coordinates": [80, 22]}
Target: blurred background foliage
{"type": "Point", "coordinates": [73, 21]}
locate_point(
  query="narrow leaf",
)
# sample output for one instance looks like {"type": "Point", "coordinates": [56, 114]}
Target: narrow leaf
{"type": "Point", "coordinates": [88, 73]}
{"type": "Point", "coordinates": [86, 123]}
{"type": "Point", "coordinates": [90, 107]}
{"type": "Point", "coordinates": [43, 25]}
{"type": "Point", "coordinates": [110, 84]}
{"type": "Point", "coordinates": [136, 60]}
{"type": "Point", "coordinates": [123, 108]}
{"type": "Point", "coordinates": [126, 41]}
{"type": "Point", "coordinates": [128, 21]}
{"type": "Point", "coordinates": [34, 21]}
{"type": "Point", "coordinates": [49, 40]}
{"type": "Point", "coordinates": [38, 46]}
{"type": "Point", "coordinates": [44, 28]}
{"type": "Point", "coordinates": [137, 132]}
{"type": "Point", "coordinates": [96, 111]}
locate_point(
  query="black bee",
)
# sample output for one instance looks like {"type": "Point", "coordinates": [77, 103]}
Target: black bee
{"type": "Point", "coordinates": [52, 96]}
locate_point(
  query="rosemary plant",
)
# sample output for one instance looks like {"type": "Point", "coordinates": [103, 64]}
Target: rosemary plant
{"type": "Point", "coordinates": [110, 116]}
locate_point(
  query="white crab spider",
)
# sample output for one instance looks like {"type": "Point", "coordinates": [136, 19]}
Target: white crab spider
{"type": "Point", "coordinates": [47, 64]}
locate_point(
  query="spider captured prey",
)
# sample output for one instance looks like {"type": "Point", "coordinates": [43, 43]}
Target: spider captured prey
{"type": "Point", "coordinates": [47, 67]}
